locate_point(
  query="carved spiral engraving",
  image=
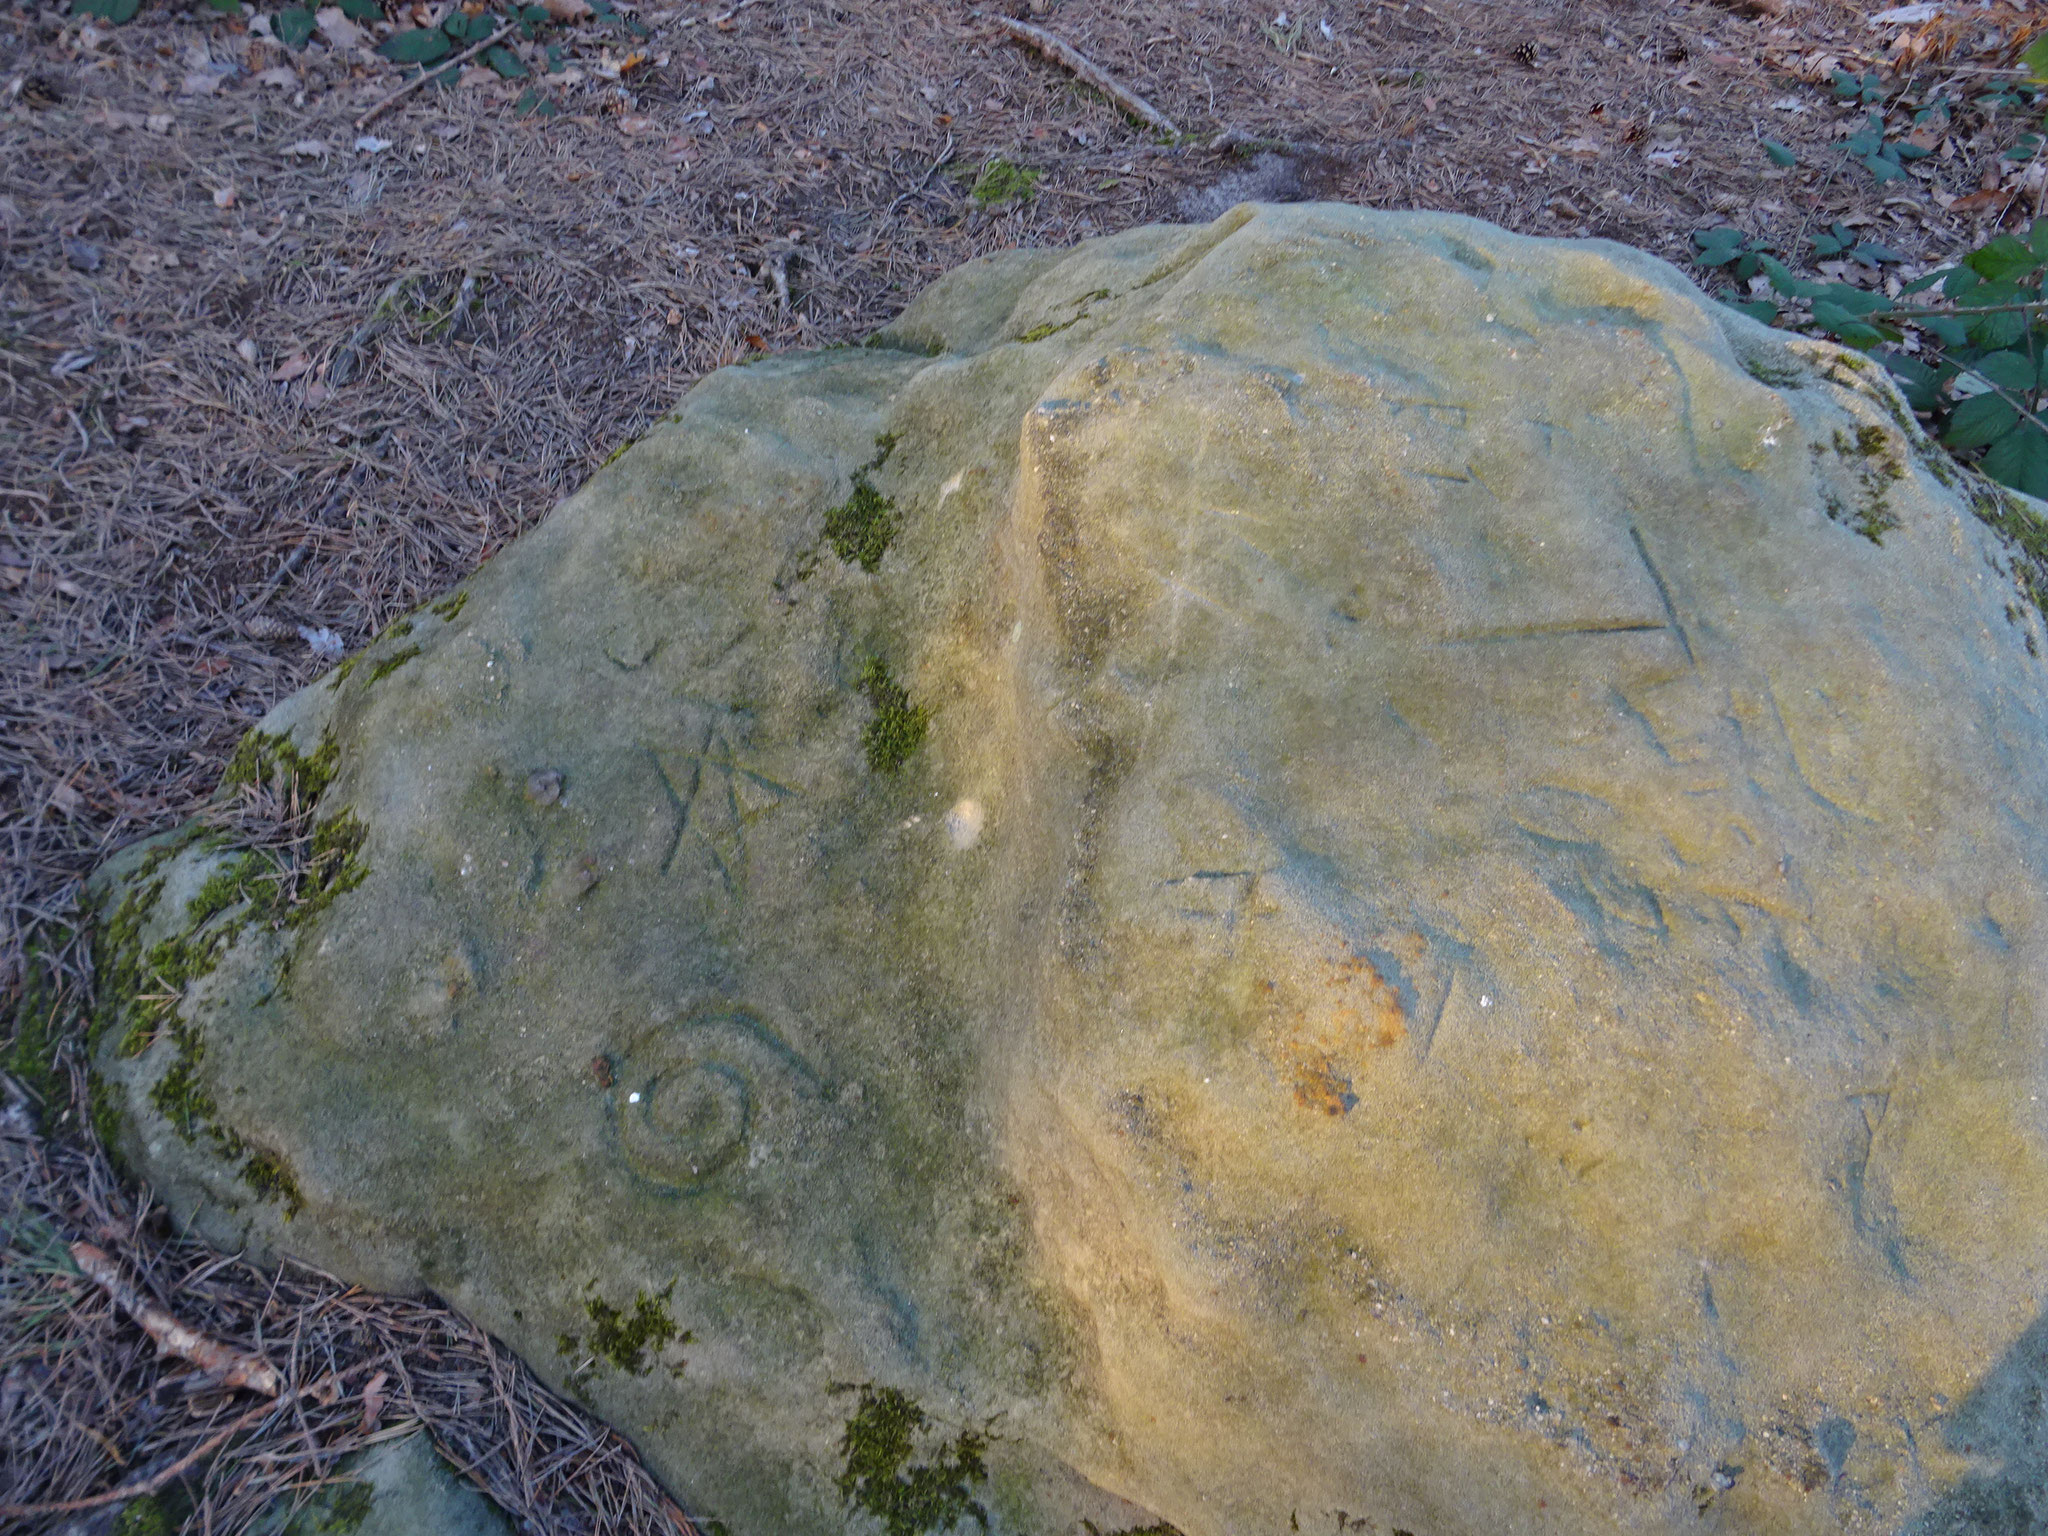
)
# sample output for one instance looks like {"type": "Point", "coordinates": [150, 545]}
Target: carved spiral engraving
{"type": "Point", "coordinates": [692, 1100]}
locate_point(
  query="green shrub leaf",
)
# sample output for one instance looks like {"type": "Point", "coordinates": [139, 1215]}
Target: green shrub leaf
{"type": "Point", "coordinates": [1857, 301]}
{"type": "Point", "coordinates": [1779, 154]}
{"type": "Point", "coordinates": [1842, 325]}
{"type": "Point", "coordinates": [1953, 331]}
{"type": "Point", "coordinates": [2008, 370]}
{"type": "Point", "coordinates": [292, 26]}
{"type": "Point", "coordinates": [2005, 257]}
{"type": "Point", "coordinates": [2035, 59]}
{"type": "Point", "coordinates": [1919, 383]}
{"type": "Point", "coordinates": [421, 45]}
{"type": "Point", "coordinates": [1998, 330]}
{"type": "Point", "coordinates": [505, 62]}
{"type": "Point", "coordinates": [1979, 420]}
{"type": "Point", "coordinates": [1783, 279]}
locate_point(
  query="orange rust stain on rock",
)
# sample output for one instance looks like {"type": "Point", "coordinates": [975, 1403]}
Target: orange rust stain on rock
{"type": "Point", "coordinates": [1320, 1086]}
{"type": "Point", "coordinates": [1327, 1023]}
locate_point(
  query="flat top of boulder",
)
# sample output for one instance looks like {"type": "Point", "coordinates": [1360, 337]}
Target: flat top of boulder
{"type": "Point", "coordinates": [1336, 865]}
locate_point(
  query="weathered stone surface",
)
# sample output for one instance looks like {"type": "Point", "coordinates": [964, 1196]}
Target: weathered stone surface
{"type": "Point", "coordinates": [1369, 875]}
{"type": "Point", "coordinates": [399, 1488]}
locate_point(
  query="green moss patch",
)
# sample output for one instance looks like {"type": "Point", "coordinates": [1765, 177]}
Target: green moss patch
{"type": "Point", "coordinates": [898, 727]}
{"type": "Point", "coordinates": [272, 1179]}
{"type": "Point", "coordinates": [397, 629]}
{"type": "Point", "coordinates": [1002, 182]}
{"type": "Point", "coordinates": [182, 1098]}
{"type": "Point", "coordinates": [334, 865]}
{"type": "Point", "coordinates": [2025, 533]}
{"type": "Point", "coordinates": [146, 1516]}
{"type": "Point", "coordinates": [273, 761]}
{"type": "Point", "coordinates": [625, 1338]}
{"type": "Point", "coordinates": [392, 663]}
{"type": "Point", "coordinates": [1040, 332]}
{"type": "Point", "coordinates": [449, 608]}
{"type": "Point", "coordinates": [1872, 451]}
{"type": "Point", "coordinates": [910, 1499]}
{"type": "Point", "coordinates": [31, 1056]}
{"type": "Point", "coordinates": [142, 991]}
{"type": "Point", "coordinates": [861, 527]}
{"type": "Point", "coordinates": [1777, 375]}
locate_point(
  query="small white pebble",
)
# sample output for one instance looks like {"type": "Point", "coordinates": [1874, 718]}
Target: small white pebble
{"type": "Point", "coordinates": [964, 823]}
{"type": "Point", "coordinates": [632, 1098]}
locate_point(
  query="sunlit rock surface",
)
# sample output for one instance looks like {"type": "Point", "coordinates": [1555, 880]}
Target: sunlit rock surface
{"type": "Point", "coordinates": [1337, 871]}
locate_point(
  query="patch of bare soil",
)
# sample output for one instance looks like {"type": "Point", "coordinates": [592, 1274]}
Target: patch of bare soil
{"type": "Point", "coordinates": [269, 377]}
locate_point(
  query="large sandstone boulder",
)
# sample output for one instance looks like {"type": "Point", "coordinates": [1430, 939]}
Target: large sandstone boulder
{"type": "Point", "coordinates": [1333, 872]}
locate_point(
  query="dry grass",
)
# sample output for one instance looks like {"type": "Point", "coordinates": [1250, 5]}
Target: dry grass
{"type": "Point", "coordinates": [248, 386]}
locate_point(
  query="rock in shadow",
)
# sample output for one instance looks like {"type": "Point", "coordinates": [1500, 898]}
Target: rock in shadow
{"type": "Point", "coordinates": [2003, 1423]}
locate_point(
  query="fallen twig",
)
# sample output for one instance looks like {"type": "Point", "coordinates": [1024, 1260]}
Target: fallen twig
{"type": "Point", "coordinates": [1062, 52]}
{"type": "Point", "coordinates": [347, 363]}
{"type": "Point", "coordinates": [425, 75]}
{"type": "Point", "coordinates": [231, 1367]}
{"type": "Point", "coordinates": [924, 180]}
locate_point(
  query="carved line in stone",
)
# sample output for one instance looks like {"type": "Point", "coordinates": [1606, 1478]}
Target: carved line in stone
{"type": "Point", "coordinates": [684, 801]}
{"type": "Point", "coordinates": [1441, 412]}
{"type": "Point", "coordinates": [1560, 630]}
{"type": "Point", "coordinates": [1663, 593]}
{"type": "Point", "coordinates": [1799, 768]}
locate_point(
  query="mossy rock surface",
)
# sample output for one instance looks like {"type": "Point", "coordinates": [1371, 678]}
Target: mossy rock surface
{"type": "Point", "coordinates": [1407, 897]}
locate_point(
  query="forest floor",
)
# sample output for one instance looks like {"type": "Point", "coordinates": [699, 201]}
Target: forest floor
{"type": "Point", "coordinates": [270, 377]}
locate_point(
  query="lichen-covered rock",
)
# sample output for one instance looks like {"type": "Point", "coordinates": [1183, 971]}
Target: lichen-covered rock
{"type": "Point", "coordinates": [1333, 871]}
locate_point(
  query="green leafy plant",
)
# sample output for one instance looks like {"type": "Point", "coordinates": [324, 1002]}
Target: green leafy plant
{"type": "Point", "coordinates": [292, 26]}
{"type": "Point", "coordinates": [1867, 89]}
{"type": "Point", "coordinates": [418, 45]}
{"type": "Point", "coordinates": [1978, 362]}
{"type": "Point", "coordinates": [115, 11]}
{"type": "Point", "coordinates": [1842, 241]}
{"type": "Point", "coordinates": [1883, 158]}
{"type": "Point", "coordinates": [1979, 368]}
{"type": "Point", "coordinates": [1726, 246]}
{"type": "Point", "coordinates": [1781, 155]}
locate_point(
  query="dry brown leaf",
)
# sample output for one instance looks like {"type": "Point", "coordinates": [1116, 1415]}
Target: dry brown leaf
{"type": "Point", "coordinates": [374, 1400]}
{"type": "Point", "coordinates": [567, 10]}
{"type": "Point", "coordinates": [337, 29]}
{"type": "Point", "coordinates": [291, 368]}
